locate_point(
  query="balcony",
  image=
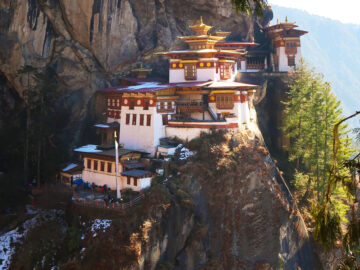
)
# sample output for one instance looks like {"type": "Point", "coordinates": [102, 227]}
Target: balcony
{"type": "Point", "coordinates": [165, 110]}
{"type": "Point", "coordinates": [193, 105]}
{"type": "Point", "coordinates": [256, 66]}
{"type": "Point", "coordinates": [290, 50]}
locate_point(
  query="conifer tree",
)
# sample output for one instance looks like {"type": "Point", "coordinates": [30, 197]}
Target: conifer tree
{"type": "Point", "coordinates": [310, 114]}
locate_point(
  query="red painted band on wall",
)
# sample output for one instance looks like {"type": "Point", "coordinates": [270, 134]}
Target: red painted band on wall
{"type": "Point", "coordinates": [194, 125]}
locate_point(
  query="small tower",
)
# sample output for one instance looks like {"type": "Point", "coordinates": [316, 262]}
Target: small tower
{"type": "Point", "coordinates": [286, 46]}
{"type": "Point", "coordinates": [141, 73]}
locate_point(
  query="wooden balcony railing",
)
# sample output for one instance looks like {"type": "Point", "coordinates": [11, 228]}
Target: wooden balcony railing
{"type": "Point", "coordinates": [291, 50]}
{"type": "Point", "coordinates": [258, 66]}
{"type": "Point", "coordinates": [191, 105]}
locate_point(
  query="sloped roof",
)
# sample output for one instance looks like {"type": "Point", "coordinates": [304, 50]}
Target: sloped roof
{"type": "Point", "coordinates": [135, 173]}
{"type": "Point", "coordinates": [150, 86]}
{"type": "Point", "coordinates": [73, 167]}
{"type": "Point", "coordinates": [108, 125]}
{"type": "Point", "coordinates": [92, 149]}
{"type": "Point", "coordinates": [231, 85]}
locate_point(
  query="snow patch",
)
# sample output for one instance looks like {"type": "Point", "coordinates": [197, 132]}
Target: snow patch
{"type": "Point", "coordinates": [146, 85]}
{"type": "Point", "coordinates": [31, 210]}
{"type": "Point", "coordinates": [90, 148]}
{"type": "Point", "coordinates": [185, 153]}
{"type": "Point", "coordinates": [69, 167]}
{"type": "Point", "coordinates": [10, 238]}
{"type": "Point", "coordinates": [100, 225]}
{"type": "Point", "coordinates": [102, 126]}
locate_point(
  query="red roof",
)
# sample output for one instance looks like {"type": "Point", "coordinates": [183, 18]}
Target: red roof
{"type": "Point", "coordinates": [149, 86]}
{"type": "Point", "coordinates": [236, 43]}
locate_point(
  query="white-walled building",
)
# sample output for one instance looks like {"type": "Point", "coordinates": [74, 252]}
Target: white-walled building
{"type": "Point", "coordinates": [285, 45]}
{"type": "Point", "coordinates": [100, 169]}
{"type": "Point", "coordinates": [201, 94]}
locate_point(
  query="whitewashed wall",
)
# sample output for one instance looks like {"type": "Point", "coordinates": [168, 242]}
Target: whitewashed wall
{"type": "Point", "coordinates": [203, 74]}
{"type": "Point", "coordinates": [283, 61]}
{"type": "Point", "coordinates": [100, 179]}
{"type": "Point", "coordinates": [184, 133]}
{"type": "Point", "coordinates": [145, 182]}
{"type": "Point", "coordinates": [138, 137]}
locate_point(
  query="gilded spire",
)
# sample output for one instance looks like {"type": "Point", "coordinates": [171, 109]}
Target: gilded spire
{"type": "Point", "coordinates": [200, 28]}
{"type": "Point", "coordinates": [277, 21]}
{"type": "Point", "coordinates": [286, 19]}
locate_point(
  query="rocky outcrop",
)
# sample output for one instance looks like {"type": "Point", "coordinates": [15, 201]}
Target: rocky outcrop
{"type": "Point", "coordinates": [238, 213]}
{"type": "Point", "coordinates": [227, 208]}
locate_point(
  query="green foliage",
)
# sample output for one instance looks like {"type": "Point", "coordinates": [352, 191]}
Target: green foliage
{"type": "Point", "coordinates": [301, 182]}
{"type": "Point", "coordinates": [320, 150]}
{"type": "Point", "coordinates": [351, 241]}
{"type": "Point", "coordinates": [42, 137]}
{"type": "Point", "coordinates": [348, 263]}
{"type": "Point", "coordinates": [327, 229]}
{"type": "Point", "coordinates": [245, 6]}
{"type": "Point", "coordinates": [310, 114]}
{"type": "Point", "coordinates": [12, 191]}
{"type": "Point", "coordinates": [73, 235]}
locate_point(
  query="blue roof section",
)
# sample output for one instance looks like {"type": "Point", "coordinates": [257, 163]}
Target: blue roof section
{"type": "Point", "coordinates": [135, 173]}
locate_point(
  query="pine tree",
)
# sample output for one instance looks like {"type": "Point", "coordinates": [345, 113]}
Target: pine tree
{"type": "Point", "coordinates": [310, 114]}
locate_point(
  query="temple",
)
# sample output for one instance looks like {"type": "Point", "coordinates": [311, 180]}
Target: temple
{"type": "Point", "coordinates": [285, 45]}
{"type": "Point", "coordinates": [202, 94]}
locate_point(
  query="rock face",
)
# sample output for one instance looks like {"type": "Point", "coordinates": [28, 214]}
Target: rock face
{"type": "Point", "coordinates": [91, 43]}
{"type": "Point", "coordinates": [226, 208]}
{"type": "Point", "coordinates": [241, 214]}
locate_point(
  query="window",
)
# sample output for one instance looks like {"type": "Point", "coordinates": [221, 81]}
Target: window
{"type": "Point", "coordinates": [224, 101]}
{"type": "Point", "coordinates": [109, 167]}
{"type": "Point", "coordinates": [291, 61]}
{"type": "Point", "coordinates": [148, 120]}
{"type": "Point", "coordinates": [165, 119]}
{"type": "Point", "coordinates": [135, 182]}
{"type": "Point", "coordinates": [225, 71]}
{"type": "Point", "coordinates": [102, 166]}
{"type": "Point", "coordinates": [109, 102]}
{"type": "Point", "coordinates": [127, 118]}
{"type": "Point", "coordinates": [146, 104]}
{"type": "Point", "coordinates": [162, 106]}
{"type": "Point", "coordinates": [88, 165]}
{"type": "Point", "coordinates": [141, 119]}
{"type": "Point", "coordinates": [117, 102]}
{"type": "Point", "coordinates": [134, 120]}
{"type": "Point", "coordinates": [113, 102]}
{"type": "Point", "coordinates": [169, 105]}
{"type": "Point", "coordinates": [128, 181]}
{"type": "Point", "coordinates": [95, 165]}
{"type": "Point", "coordinates": [190, 72]}
{"type": "Point", "coordinates": [228, 69]}
{"type": "Point", "coordinates": [131, 103]}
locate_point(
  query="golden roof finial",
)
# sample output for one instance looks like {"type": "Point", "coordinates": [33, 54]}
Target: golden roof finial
{"type": "Point", "coordinates": [277, 21]}
{"type": "Point", "coordinates": [286, 19]}
{"type": "Point", "coordinates": [201, 21]}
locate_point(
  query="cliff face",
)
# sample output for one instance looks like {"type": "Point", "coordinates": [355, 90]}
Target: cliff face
{"type": "Point", "coordinates": [90, 43]}
{"type": "Point", "coordinates": [226, 208]}
{"type": "Point", "coordinates": [230, 208]}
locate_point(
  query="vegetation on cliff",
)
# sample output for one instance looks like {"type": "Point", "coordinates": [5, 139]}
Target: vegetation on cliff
{"type": "Point", "coordinates": [33, 141]}
{"type": "Point", "coordinates": [310, 115]}
{"type": "Point", "coordinates": [319, 147]}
